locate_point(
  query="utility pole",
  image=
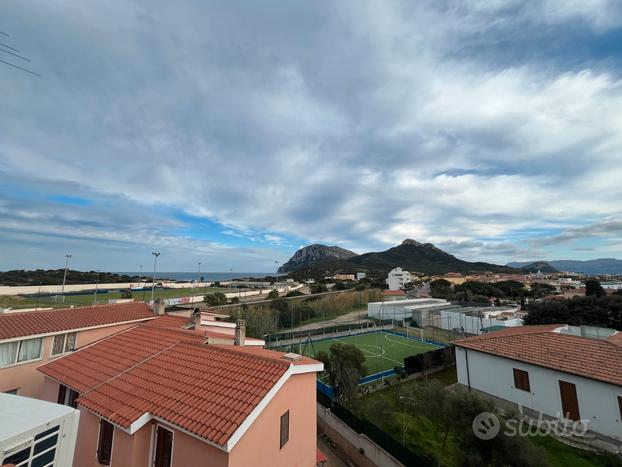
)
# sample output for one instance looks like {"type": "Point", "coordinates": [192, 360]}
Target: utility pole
{"type": "Point", "coordinates": [199, 277]}
{"type": "Point", "coordinates": [155, 260]}
{"type": "Point", "coordinates": [62, 290]}
{"type": "Point", "coordinates": [38, 297]}
{"type": "Point", "coordinates": [277, 275]}
{"type": "Point", "coordinates": [96, 285]}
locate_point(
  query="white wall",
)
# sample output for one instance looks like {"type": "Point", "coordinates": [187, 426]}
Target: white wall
{"type": "Point", "coordinates": [471, 324]}
{"type": "Point", "coordinates": [493, 375]}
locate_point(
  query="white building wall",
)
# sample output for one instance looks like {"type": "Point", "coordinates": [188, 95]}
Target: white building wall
{"type": "Point", "coordinates": [493, 375]}
{"type": "Point", "coordinates": [471, 324]}
{"type": "Point", "coordinates": [397, 278]}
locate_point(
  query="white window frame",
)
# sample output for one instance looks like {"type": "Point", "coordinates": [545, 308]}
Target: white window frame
{"type": "Point", "coordinates": [19, 347]}
{"type": "Point", "coordinates": [64, 351]}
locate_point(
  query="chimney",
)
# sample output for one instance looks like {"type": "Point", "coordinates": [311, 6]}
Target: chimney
{"type": "Point", "coordinates": [240, 332]}
{"type": "Point", "coordinates": [159, 307]}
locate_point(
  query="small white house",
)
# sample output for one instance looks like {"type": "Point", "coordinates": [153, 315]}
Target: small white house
{"type": "Point", "coordinates": [397, 278]}
{"type": "Point", "coordinates": [35, 432]}
{"type": "Point", "coordinates": [557, 370]}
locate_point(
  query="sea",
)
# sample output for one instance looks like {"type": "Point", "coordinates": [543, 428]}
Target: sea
{"type": "Point", "coordinates": [207, 276]}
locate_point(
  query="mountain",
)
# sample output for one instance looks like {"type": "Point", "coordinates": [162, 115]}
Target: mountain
{"type": "Point", "coordinates": [592, 266]}
{"type": "Point", "coordinates": [410, 255]}
{"type": "Point", "coordinates": [312, 254]}
{"type": "Point", "coordinates": [541, 266]}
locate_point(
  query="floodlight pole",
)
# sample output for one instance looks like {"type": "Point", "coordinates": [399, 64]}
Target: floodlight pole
{"type": "Point", "coordinates": [62, 290]}
{"type": "Point", "coordinates": [96, 286]}
{"type": "Point", "coordinates": [155, 259]}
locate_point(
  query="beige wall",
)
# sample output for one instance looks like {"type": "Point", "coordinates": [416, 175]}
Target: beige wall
{"type": "Point", "coordinates": [260, 444]}
{"type": "Point", "coordinates": [29, 381]}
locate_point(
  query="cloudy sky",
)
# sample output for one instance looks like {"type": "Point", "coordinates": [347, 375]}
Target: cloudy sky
{"type": "Point", "coordinates": [234, 132]}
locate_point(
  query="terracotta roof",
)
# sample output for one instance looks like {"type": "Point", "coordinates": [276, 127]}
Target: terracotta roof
{"type": "Point", "coordinates": [66, 319]}
{"type": "Point", "coordinates": [599, 359]}
{"type": "Point", "coordinates": [208, 390]}
{"type": "Point", "coordinates": [170, 322]}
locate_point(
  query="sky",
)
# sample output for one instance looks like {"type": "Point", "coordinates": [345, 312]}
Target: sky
{"type": "Point", "coordinates": [232, 133]}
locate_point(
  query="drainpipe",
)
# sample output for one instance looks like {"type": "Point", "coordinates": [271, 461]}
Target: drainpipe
{"type": "Point", "coordinates": [466, 359]}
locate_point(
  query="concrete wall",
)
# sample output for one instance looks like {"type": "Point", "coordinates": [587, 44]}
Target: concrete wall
{"type": "Point", "coordinates": [29, 381]}
{"type": "Point", "coordinates": [471, 324]}
{"type": "Point", "coordinates": [352, 443]}
{"type": "Point", "coordinates": [493, 375]}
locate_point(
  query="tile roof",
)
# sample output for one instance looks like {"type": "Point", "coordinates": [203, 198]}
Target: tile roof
{"type": "Point", "coordinates": [66, 319]}
{"type": "Point", "coordinates": [599, 359]}
{"type": "Point", "coordinates": [208, 390]}
{"type": "Point", "coordinates": [397, 293]}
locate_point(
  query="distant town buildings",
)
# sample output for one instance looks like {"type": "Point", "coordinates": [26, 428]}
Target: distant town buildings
{"type": "Point", "coordinates": [397, 278]}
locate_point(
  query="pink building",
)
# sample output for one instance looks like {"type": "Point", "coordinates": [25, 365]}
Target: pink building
{"type": "Point", "coordinates": [156, 395]}
{"type": "Point", "coordinates": [30, 339]}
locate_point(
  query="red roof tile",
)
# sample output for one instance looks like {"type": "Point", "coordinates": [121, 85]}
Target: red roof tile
{"type": "Point", "coordinates": [66, 319]}
{"type": "Point", "coordinates": [599, 359]}
{"type": "Point", "coordinates": [208, 390]}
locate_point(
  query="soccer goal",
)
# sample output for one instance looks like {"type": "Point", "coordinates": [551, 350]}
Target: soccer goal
{"type": "Point", "coordinates": [415, 333]}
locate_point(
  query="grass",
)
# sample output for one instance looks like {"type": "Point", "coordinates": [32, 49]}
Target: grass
{"type": "Point", "coordinates": [18, 301]}
{"type": "Point", "coordinates": [383, 350]}
{"type": "Point", "coordinates": [383, 408]}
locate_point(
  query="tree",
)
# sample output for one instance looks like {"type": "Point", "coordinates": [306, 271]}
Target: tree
{"type": "Point", "coordinates": [539, 290]}
{"type": "Point", "coordinates": [127, 293]}
{"type": "Point", "coordinates": [318, 288]}
{"type": "Point", "coordinates": [453, 411]}
{"type": "Point", "coordinates": [339, 286]}
{"type": "Point", "coordinates": [345, 366]}
{"type": "Point", "coordinates": [440, 288]}
{"type": "Point", "coordinates": [593, 288]}
{"type": "Point", "coordinates": [234, 300]}
{"type": "Point", "coordinates": [294, 293]}
{"type": "Point", "coordinates": [590, 311]}
{"type": "Point", "coordinates": [215, 299]}
{"type": "Point", "coordinates": [273, 294]}
{"type": "Point", "coordinates": [512, 289]}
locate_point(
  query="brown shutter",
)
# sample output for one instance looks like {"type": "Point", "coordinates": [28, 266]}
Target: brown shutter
{"type": "Point", "coordinates": [284, 428]}
{"type": "Point", "coordinates": [104, 447]}
{"type": "Point", "coordinates": [570, 403]}
{"type": "Point", "coordinates": [521, 380]}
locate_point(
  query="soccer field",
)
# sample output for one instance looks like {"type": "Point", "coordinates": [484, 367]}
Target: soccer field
{"type": "Point", "coordinates": [383, 350]}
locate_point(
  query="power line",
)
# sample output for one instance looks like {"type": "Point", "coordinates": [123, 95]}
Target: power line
{"type": "Point", "coordinates": [4, 34]}
{"type": "Point", "coordinates": [14, 54]}
{"type": "Point", "coordinates": [19, 67]}
{"type": "Point", "coordinates": [9, 47]}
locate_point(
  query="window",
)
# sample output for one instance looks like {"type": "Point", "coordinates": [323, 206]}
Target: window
{"type": "Point", "coordinates": [20, 351]}
{"type": "Point", "coordinates": [64, 343]}
{"type": "Point", "coordinates": [521, 380]}
{"type": "Point", "coordinates": [284, 428]}
{"type": "Point", "coordinates": [12, 391]}
{"type": "Point", "coordinates": [164, 447]}
{"type": "Point", "coordinates": [620, 406]}
{"type": "Point", "coordinates": [104, 446]}
{"type": "Point", "coordinates": [67, 396]}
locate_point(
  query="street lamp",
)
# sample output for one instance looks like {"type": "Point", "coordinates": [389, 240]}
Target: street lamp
{"type": "Point", "coordinates": [155, 260]}
{"type": "Point", "coordinates": [96, 286]}
{"type": "Point", "coordinates": [62, 290]}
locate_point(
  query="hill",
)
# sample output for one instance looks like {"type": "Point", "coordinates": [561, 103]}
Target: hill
{"type": "Point", "coordinates": [410, 255]}
{"type": "Point", "coordinates": [541, 266]}
{"type": "Point", "coordinates": [55, 277]}
{"type": "Point", "coordinates": [592, 266]}
{"type": "Point", "coordinates": [312, 254]}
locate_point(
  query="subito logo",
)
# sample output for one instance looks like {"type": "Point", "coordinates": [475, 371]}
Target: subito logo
{"type": "Point", "coordinates": [486, 425]}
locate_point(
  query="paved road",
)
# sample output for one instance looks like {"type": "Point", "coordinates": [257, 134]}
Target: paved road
{"type": "Point", "coordinates": [353, 317]}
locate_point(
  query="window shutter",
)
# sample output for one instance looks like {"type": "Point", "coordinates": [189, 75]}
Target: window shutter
{"type": "Point", "coordinates": [284, 428]}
